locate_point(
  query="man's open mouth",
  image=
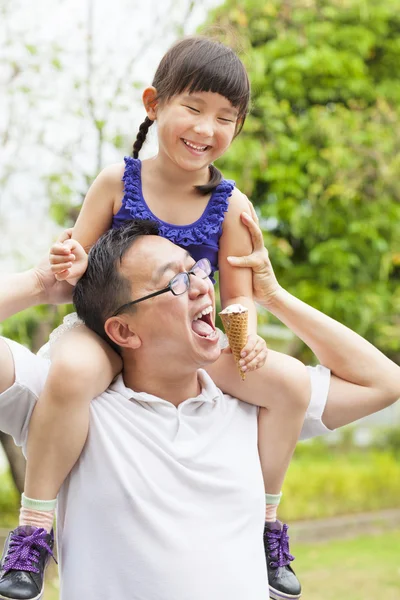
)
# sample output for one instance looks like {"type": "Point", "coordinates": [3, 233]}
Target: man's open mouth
{"type": "Point", "coordinates": [203, 325]}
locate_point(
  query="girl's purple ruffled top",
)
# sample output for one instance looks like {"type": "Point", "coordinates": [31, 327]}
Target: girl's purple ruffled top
{"type": "Point", "coordinates": [200, 239]}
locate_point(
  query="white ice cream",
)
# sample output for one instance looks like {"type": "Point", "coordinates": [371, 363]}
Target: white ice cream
{"type": "Point", "coordinates": [233, 309]}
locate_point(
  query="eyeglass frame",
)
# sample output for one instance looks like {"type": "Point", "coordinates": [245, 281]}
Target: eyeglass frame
{"type": "Point", "coordinates": [168, 288]}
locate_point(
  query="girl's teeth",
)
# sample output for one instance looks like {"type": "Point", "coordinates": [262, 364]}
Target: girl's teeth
{"type": "Point", "coordinates": [201, 148]}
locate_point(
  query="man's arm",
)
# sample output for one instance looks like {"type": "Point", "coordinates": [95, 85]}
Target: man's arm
{"type": "Point", "coordinates": [364, 380]}
{"type": "Point", "coordinates": [19, 291]}
{"type": "Point", "coordinates": [22, 374]}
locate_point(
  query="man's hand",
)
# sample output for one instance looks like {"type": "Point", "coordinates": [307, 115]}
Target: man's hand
{"type": "Point", "coordinates": [51, 290]}
{"type": "Point", "coordinates": [68, 259]}
{"type": "Point", "coordinates": [265, 284]}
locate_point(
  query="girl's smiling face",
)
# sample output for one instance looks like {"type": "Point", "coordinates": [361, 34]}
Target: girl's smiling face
{"type": "Point", "coordinates": [193, 129]}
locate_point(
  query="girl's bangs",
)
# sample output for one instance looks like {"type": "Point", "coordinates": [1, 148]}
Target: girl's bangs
{"type": "Point", "coordinates": [220, 76]}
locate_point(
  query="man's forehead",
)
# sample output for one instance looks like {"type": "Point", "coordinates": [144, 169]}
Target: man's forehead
{"type": "Point", "coordinates": [151, 255]}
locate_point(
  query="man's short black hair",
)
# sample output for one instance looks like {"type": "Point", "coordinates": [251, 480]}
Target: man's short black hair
{"type": "Point", "coordinates": [103, 289]}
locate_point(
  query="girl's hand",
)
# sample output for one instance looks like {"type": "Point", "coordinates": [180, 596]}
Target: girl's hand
{"type": "Point", "coordinates": [265, 284]}
{"type": "Point", "coordinates": [68, 259]}
{"type": "Point", "coordinates": [254, 354]}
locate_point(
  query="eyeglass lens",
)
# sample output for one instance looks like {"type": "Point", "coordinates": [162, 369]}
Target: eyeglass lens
{"type": "Point", "coordinates": [180, 283]}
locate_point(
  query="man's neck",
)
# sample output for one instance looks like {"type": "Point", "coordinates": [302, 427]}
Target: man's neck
{"type": "Point", "coordinates": [169, 386]}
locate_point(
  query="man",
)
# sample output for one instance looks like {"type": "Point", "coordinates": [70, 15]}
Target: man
{"type": "Point", "coordinates": [167, 499]}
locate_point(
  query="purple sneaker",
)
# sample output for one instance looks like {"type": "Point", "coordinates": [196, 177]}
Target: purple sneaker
{"type": "Point", "coordinates": [283, 583]}
{"type": "Point", "coordinates": [22, 567]}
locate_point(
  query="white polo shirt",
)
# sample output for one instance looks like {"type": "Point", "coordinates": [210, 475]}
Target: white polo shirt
{"type": "Point", "coordinates": [164, 503]}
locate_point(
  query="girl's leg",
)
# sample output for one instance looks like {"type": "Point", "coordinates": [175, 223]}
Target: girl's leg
{"type": "Point", "coordinates": [82, 367]}
{"type": "Point", "coordinates": [281, 387]}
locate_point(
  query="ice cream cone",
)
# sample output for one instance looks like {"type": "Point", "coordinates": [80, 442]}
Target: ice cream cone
{"type": "Point", "coordinates": [235, 321]}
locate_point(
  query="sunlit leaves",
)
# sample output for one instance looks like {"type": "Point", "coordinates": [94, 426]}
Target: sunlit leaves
{"type": "Point", "coordinates": [320, 154]}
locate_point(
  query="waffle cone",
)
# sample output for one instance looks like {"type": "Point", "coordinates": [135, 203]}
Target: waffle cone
{"type": "Point", "coordinates": [235, 325]}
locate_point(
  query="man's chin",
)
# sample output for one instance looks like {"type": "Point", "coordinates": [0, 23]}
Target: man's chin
{"type": "Point", "coordinates": [210, 357]}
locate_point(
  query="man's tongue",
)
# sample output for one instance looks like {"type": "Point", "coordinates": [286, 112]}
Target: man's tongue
{"type": "Point", "coordinates": [202, 328]}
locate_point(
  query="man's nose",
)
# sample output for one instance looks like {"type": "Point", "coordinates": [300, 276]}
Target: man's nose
{"type": "Point", "coordinates": [198, 286]}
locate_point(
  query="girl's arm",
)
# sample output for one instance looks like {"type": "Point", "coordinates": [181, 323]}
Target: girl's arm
{"type": "Point", "coordinates": [101, 203]}
{"type": "Point", "coordinates": [236, 284]}
{"type": "Point", "coordinates": [236, 288]}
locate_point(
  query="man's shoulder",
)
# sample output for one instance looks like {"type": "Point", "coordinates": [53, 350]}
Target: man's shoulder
{"type": "Point", "coordinates": [215, 394]}
{"type": "Point", "coordinates": [30, 371]}
{"type": "Point", "coordinates": [23, 375]}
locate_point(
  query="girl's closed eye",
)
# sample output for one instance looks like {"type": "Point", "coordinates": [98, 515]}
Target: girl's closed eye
{"type": "Point", "coordinates": [196, 110]}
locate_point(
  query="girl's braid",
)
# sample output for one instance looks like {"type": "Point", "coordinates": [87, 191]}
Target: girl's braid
{"type": "Point", "coordinates": [215, 179]}
{"type": "Point", "coordinates": [141, 136]}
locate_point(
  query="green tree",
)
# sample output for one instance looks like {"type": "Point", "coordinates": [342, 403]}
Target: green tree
{"type": "Point", "coordinates": [320, 153]}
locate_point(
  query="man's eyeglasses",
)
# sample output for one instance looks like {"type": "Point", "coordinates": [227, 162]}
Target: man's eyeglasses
{"type": "Point", "coordinates": [178, 284]}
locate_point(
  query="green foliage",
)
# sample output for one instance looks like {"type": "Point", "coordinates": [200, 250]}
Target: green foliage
{"type": "Point", "coordinates": [9, 501]}
{"type": "Point", "coordinates": [320, 152]}
{"type": "Point", "coordinates": [321, 483]}
{"type": "Point", "coordinates": [326, 484]}
{"type": "Point", "coordinates": [33, 326]}
{"type": "Point", "coordinates": [388, 439]}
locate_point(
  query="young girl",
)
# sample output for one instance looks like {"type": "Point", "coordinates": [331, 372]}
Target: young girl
{"type": "Point", "coordinates": [199, 98]}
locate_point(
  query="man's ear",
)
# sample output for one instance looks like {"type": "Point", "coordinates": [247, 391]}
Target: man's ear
{"type": "Point", "coordinates": [121, 333]}
{"type": "Point", "coordinates": [149, 98]}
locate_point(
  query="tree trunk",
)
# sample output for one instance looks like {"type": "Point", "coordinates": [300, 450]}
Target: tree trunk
{"type": "Point", "coordinates": [16, 460]}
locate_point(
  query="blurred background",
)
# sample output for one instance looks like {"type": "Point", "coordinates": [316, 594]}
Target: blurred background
{"type": "Point", "coordinates": [319, 157]}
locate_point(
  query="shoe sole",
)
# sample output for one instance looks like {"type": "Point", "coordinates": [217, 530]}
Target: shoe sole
{"type": "Point", "coordinates": [277, 595]}
{"type": "Point", "coordinates": [35, 598]}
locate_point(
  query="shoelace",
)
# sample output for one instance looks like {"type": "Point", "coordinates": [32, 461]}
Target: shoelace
{"type": "Point", "coordinates": [278, 547]}
{"type": "Point", "coordinates": [23, 553]}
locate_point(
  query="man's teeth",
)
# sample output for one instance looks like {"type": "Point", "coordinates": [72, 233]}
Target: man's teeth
{"type": "Point", "coordinates": [206, 311]}
{"type": "Point", "coordinates": [200, 148]}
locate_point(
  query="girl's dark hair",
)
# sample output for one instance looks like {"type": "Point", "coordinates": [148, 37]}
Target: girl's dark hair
{"type": "Point", "coordinates": [200, 64]}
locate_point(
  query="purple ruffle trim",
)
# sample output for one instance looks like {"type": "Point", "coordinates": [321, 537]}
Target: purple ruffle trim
{"type": "Point", "coordinates": [199, 232]}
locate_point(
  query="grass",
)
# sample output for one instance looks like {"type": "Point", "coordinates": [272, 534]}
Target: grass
{"type": "Point", "coordinates": [365, 568]}
{"type": "Point", "coordinates": [52, 592]}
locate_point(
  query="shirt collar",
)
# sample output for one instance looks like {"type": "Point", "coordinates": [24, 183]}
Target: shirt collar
{"type": "Point", "coordinates": [209, 391]}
